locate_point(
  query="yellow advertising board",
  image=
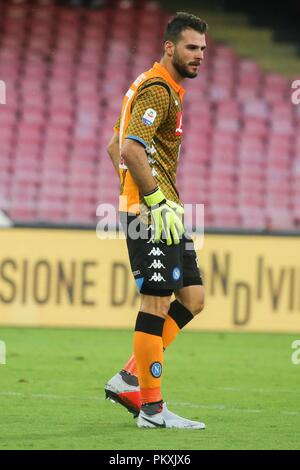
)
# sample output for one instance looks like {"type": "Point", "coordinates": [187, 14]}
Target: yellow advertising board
{"type": "Point", "coordinates": [72, 278]}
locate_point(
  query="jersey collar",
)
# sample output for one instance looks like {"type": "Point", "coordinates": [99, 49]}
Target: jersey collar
{"type": "Point", "coordinates": [165, 74]}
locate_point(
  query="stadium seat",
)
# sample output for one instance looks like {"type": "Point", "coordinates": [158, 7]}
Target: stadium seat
{"type": "Point", "coordinates": [240, 129]}
{"type": "Point", "coordinates": [252, 218]}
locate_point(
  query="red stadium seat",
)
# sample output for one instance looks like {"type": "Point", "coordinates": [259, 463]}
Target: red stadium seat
{"type": "Point", "coordinates": [252, 218]}
{"type": "Point", "coordinates": [240, 128]}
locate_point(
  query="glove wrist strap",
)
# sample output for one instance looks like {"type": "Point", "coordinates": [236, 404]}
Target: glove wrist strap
{"type": "Point", "coordinates": [155, 197]}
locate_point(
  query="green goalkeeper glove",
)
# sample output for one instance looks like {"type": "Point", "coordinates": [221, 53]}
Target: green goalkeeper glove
{"type": "Point", "coordinates": [166, 217]}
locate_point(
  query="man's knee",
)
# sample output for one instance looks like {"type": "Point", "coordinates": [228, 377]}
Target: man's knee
{"type": "Point", "coordinates": [198, 302]}
{"type": "Point", "coordinates": [192, 298]}
{"type": "Point", "coordinates": [155, 305]}
{"type": "Point", "coordinates": [198, 307]}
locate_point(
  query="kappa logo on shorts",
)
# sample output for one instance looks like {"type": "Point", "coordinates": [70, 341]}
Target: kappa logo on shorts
{"type": "Point", "coordinates": [156, 369]}
{"type": "Point", "coordinates": [157, 277]}
{"type": "Point", "coordinates": [157, 264]}
{"type": "Point", "coordinates": [156, 252]}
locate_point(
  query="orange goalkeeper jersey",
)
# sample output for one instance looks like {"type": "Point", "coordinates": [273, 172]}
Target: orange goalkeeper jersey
{"type": "Point", "coordinates": [152, 115]}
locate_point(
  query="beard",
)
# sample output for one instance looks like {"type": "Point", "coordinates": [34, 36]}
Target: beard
{"type": "Point", "coordinates": [182, 68]}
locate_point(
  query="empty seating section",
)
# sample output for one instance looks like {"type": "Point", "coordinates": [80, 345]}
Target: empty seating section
{"type": "Point", "coordinates": [66, 70]}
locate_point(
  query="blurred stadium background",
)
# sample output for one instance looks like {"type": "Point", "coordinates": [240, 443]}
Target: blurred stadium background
{"type": "Point", "coordinates": [66, 66]}
{"type": "Point", "coordinates": [66, 70]}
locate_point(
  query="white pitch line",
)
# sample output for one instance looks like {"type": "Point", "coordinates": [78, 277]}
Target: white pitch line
{"type": "Point", "coordinates": [218, 407]}
{"type": "Point", "coordinates": [257, 390]}
{"type": "Point", "coordinates": [47, 396]}
{"type": "Point", "coordinates": [235, 410]}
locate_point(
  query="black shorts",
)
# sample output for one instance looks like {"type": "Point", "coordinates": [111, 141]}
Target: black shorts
{"type": "Point", "coordinates": [159, 269]}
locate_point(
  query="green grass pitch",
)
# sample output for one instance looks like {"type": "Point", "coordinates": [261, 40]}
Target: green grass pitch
{"type": "Point", "coordinates": [243, 386]}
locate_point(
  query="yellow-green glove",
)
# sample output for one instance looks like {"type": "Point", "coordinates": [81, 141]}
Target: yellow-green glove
{"type": "Point", "coordinates": [166, 218]}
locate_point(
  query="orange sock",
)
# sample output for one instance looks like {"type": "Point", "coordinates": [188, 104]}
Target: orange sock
{"type": "Point", "coordinates": [170, 331]}
{"type": "Point", "coordinates": [148, 353]}
{"type": "Point", "coordinates": [177, 318]}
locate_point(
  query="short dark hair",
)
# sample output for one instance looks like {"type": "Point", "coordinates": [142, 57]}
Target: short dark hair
{"type": "Point", "coordinates": [182, 21]}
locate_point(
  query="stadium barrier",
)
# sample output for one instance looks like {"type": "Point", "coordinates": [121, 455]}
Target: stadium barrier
{"type": "Point", "coordinates": [70, 278]}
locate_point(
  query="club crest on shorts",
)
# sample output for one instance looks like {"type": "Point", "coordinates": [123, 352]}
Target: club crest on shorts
{"type": "Point", "coordinates": [176, 273]}
{"type": "Point", "coordinates": [156, 369]}
{"type": "Point", "coordinates": [149, 116]}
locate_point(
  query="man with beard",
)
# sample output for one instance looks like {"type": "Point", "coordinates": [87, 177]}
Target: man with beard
{"type": "Point", "coordinates": [144, 150]}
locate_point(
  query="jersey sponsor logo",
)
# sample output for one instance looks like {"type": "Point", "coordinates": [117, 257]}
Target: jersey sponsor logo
{"type": "Point", "coordinates": [157, 264]}
{"type": "Point", "coordinates": [156, 252]}
{"type": "Point", "coordinates": [157, 277]}
{"type": "Point", "coordinates": [149, 116]}
{"type": "Point", "coordinates": [156, 369]}
{"type": "Point", "coordinates": [179, 124]}
{"type": "Point", "coordinates": [176, 273]}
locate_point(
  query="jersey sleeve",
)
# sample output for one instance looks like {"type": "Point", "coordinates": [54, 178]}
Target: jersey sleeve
{"type": "Point", "coordinates": [150, 109]}
{"type": "Point", "coordinates": [117, 124]}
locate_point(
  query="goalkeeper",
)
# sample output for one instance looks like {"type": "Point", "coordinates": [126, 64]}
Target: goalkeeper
{"type": "Point", "coordinates": [145, 150]}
